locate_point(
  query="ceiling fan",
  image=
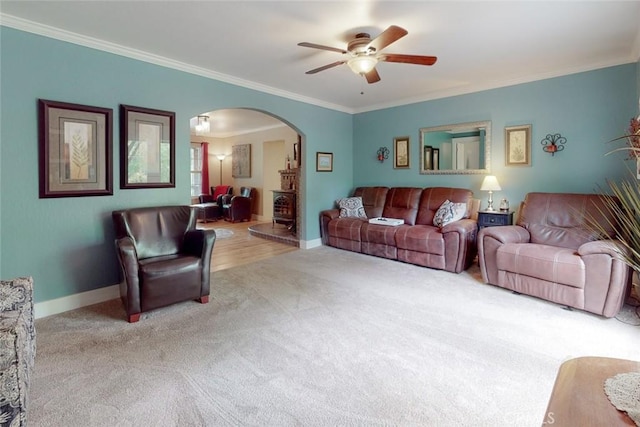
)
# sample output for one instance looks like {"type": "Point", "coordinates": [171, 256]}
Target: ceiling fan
{"type": "Point", "coordinates": [365, 53]}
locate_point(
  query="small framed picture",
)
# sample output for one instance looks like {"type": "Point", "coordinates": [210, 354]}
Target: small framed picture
{"type": "Point", "coordinates": [436, 159]}
{"type": "Point", "coordinates": [517, 145]}
{"type": "Point", "coordinates": [147, 148]}
{"type": "Point", "coordinates": [75, 144]}
{"type": "Point", "coordinates": [401, 153]}
{"type": "Point", "coordinates": [427, 158]}
{"type": "Point", "coordinates": [324, 162]}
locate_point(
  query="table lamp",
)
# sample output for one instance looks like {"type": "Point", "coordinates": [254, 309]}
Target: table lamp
{"type": "Point", "coordinates": [490, 184]}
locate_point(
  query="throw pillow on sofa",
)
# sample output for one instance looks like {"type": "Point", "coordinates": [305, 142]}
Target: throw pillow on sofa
{"type": "Point", "coordinates": [449, 212]}
{"type": "Point", "coordinates": [351, 207]}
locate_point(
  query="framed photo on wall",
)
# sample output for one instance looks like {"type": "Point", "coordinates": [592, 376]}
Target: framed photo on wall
{"type": "Point", "coordinates": [147, 148]}
{"type": "Point", "coordinates": [517, 145]}
{"type": "Point", "coordinates": [427, 158]}
{"type": "Point", "coordinates": [75, 149]}
{"type": "Point", "coordinates": [241, 161]}
{"type": "Point", "coordinates": [324, 162]}
{"type": "Point", "coordinates": [401, 153]}
{"type": "Point", "coordinates": [436, 159]}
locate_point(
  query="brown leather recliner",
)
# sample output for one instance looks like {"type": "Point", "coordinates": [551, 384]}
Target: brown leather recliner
{"type": "Point", "coordinates": [164, 259]}
{"type": "Point", "coordinates": [553, 253]}
{"type": "Point", "coordinates": [238, 208]}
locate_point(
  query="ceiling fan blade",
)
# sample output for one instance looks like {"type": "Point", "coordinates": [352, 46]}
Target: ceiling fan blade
{"type": "Point", "coordinates": [408, 59]}
{"type": "Point", "coordinates": [319, 46]}
{"type": "Point", "coordinates": [388, 36]}
{"type": "Point", "coordinates": [372, 76]}
{"type": "Point", "coordinates": [325, 67]}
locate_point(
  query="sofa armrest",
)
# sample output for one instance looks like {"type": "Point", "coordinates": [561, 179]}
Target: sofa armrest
{"type": "Point", "coordinates": [459, 244]}
{"type": "Point", "coordinates": [325, 217]}
{"type": "Point", "coordinates": [607, 276]}
{"type": "Point", "coordinates": [489, 240]}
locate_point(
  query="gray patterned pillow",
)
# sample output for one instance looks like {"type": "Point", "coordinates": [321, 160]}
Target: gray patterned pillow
{"type": "Point", "coordinates": [449, 212]}
{"type": "Point", "coordinates": [351, 207]}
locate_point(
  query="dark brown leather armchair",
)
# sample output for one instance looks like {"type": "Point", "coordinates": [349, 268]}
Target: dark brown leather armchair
{"type": "Point", "coordinates": [238, 208]}
{"type": "Point", "coordinates": [553, 253]}
{"type": "Point", "coordinates": [164, 259]}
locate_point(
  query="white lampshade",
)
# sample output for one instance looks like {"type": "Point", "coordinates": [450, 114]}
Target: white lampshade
{"type": "Point", "coordinates": [362, 64]}
{"type": "Point", "coordinates": [490, 183]}
{"type": "Point", "coordinates": [221, 157]}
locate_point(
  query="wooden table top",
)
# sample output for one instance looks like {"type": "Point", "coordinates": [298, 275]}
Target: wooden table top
{"type": "Point", "coordinates": [578, 397]}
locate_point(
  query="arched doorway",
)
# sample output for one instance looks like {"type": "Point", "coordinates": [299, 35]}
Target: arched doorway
{"type": "Point", "coordinates": [274, 146]}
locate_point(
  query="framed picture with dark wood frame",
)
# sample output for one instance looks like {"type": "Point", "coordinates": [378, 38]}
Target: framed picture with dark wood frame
{"type": "Point", "coordinates": [147, 148]}
{"type": "Point", "coordinates": [517, 150]}
{"type": "Point", "coordinates": [401, 153]}
{"type": "Point", "coordinates": [435, 159]}
{"type": "Point", "coordinates": [75, 150]}
{"type": "Point", "coordinates": [427, 158]}
{"type": "Point", "coordinates": [324, 162]}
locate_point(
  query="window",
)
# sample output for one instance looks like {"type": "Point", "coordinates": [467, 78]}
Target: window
{"type": "Point", "coordinates": [196, 170]}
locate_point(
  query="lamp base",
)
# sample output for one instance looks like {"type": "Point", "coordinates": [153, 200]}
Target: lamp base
{"type": "Point", "coordinates": [490, 203]}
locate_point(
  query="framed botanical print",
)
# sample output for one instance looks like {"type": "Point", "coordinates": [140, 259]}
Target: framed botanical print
{"type": "Point", "coordinates": [75, 150]}
{"type": "Point", "coordinates": [401, 153]}
{"type": "Point", "coordinates": [517, 145]}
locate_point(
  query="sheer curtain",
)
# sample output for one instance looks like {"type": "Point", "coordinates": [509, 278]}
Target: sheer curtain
{"type": "Point", "coordinates": [205, 168]}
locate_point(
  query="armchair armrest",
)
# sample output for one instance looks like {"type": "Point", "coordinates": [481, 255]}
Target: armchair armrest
{"type": "Point", "coordinates": [607, 276]}
{"type": "Point", "coordinates": [607, 247]}
{"type": "Point", "coordinates": [200, 243]}
{"type": "Point", "coordinates": [506, 234]}
{"type": "Point", "coordinates": [128, 257]}
{"type": "Point", "coordinates": [489, 240]}
{"type": "Point", "coordinates": [224, 199]}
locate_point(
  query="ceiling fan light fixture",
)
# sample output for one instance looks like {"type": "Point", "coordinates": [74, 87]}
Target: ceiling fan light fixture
{"type": "Point", "coordinates": [362, 64]}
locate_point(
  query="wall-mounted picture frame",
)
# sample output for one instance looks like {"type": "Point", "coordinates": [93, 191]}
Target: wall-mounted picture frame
{"type": "Point", "coordinates": [147, 148]}
{"type": "Point", "coordinates": [427, 157]}
{"type": "Point", "coordinates": [517, 150]}
{"type": "Point", "coordinates": [324, 162]}
{"type": "Point", "coordinates": [401, 153]}
{"type": "Point", "coordinates": [435, 162]}
{"type": "Point", "coordinates": [241, 161]}
{"type": "Point", "coordinates": [75, 150]}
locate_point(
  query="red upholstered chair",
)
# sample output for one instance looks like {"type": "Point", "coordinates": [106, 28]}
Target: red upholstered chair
{"type": "Point", "coordinates": [238, 208]}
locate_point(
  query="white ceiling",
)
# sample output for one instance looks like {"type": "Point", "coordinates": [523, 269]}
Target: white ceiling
{"type": "Point", "coordinates": [479, 45]}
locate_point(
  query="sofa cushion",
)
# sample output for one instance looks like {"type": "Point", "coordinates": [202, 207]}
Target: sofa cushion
{"type": "Point", "coordinates": [372, 199]}
{"type": "Point", "coordinates": [553, 264]}
{"type": "Point", "coordinates": [402, 203]}
{"type": "Point", "coordinates": [351, 207]}
{"type": "Point", "coordinates": [432, 198]}
{"type": "Point", "coordinates": [420, 238]}
{"type": "Point", "coordinates": [449, 212]}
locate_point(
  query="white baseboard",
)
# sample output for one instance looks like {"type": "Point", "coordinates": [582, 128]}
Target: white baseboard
{"type": "Point", "coordinates": [71, 302]}
{"type": "Point", "coordinates": [310, 244]}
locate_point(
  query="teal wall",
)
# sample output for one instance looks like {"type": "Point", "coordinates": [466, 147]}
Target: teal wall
{"type": "Point", "coordinates": [588, 109]}
{"type": "Point", "coordinates": [66, 244]}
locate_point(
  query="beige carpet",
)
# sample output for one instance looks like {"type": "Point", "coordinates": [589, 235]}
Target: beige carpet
{"type": "Point", "coordinates": [316, 338]}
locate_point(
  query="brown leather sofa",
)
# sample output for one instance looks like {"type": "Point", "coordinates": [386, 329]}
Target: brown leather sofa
{"type": "Point", "coordinates": [164, 259]}
{"type": "Point", "coordinates": [553, 253]}
{"type": "Point", "coordinates": [417, 241]}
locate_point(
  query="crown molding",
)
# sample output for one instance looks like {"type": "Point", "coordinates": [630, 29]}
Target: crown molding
{"type": "Point", "coordinates": [93, 43]}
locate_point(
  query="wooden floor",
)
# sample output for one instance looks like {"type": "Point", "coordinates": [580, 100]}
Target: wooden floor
{"type": "Point", "coordinates": [242, 248]}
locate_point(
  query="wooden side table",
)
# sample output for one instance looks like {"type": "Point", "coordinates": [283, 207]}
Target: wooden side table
{"type": "Point", "coordinates": [578, 397]}
{"type": "Point", "coordinates": [494, 218]}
